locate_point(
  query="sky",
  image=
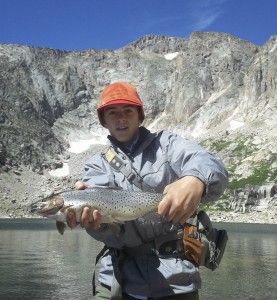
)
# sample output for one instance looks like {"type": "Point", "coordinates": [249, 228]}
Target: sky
{"type": "Point", "coordinates": [112, 24]}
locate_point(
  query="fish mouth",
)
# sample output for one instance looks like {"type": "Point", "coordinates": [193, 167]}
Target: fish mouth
{"type": "Point", "coordinates": [47, 206]}
{"type": "Point", "coordinates": [35, 207]}
{"type": "Point", "coordinates": [40, 209]}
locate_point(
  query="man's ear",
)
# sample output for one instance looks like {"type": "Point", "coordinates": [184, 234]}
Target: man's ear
{"type": "Point", "coordinates": [140, 119]}
{"type": "Point", "coordinates": [105, 124]}
{"type": "Point", "coordinates": [140, 116]}
{"type": "Point", "coordinates": [104, 121]}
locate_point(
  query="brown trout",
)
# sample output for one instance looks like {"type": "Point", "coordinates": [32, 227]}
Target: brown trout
{"type": "Point", "coordinates": [114, 204]}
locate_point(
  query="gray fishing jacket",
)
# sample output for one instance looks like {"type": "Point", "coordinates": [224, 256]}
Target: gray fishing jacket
{"type": "Point", "coordinates": [160, 159]}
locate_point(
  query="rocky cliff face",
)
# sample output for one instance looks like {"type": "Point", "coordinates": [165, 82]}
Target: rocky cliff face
{"type": "Point", "coordinates": [212, 87]}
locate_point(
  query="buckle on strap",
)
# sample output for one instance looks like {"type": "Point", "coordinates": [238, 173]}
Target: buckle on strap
{"type": "Point", "coordinates": [170, 244]}
{"type": "Point", "coordinates": [113, 159]}
{"type": "Point", "coordinates": [163, 246]}
{"type": "Point", "coordinates": [118, 165]}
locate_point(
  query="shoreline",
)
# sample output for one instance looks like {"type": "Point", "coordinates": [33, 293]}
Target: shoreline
{"type": "Point", "coordinates": [254, 217]}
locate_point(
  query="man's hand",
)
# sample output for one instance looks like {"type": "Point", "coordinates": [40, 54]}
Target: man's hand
{"type": "Point", "coordinates": [181, 199]}
{"type": "Point", "coordinates": [84, 222]}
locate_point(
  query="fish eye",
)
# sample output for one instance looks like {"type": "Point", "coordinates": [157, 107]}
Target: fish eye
{"type": "Point", "coordinates": [59, 202]}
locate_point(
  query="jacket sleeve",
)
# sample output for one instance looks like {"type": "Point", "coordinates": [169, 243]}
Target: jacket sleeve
{"type": "Point", "coordinates": [187, 158]}
{"type": "Point", "coordinates": [96, 174]}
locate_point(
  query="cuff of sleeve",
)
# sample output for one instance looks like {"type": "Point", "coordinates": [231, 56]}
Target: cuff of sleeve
{"type": "Point", "coordinates": [206, 181]}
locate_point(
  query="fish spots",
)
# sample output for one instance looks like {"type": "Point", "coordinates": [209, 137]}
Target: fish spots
{"type": "Point", "coordinates": [113, 204]}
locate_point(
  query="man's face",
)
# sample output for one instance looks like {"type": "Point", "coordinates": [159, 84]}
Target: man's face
{"type": "Point", "coordinates": [122, 121]}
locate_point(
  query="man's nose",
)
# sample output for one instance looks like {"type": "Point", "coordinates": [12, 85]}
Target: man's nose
{"type": "Point", "coordinates": [121, 115]}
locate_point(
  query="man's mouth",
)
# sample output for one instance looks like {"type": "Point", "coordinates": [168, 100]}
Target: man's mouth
{"type": "Point", "coordinates": [122, 128]}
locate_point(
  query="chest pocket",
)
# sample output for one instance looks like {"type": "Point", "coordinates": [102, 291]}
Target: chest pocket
{"type": "Point", "coordinates": [152, 167]}
{"type": "Point", "coordinates": [155, 168]}
{"type": "Point", "coordinates": [153, 159]}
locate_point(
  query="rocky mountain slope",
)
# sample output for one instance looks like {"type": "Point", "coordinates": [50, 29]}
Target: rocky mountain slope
{"type": "Point", "coordinates": [211, 87]}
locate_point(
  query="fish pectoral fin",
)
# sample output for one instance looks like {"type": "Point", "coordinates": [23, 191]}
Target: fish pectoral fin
{"type": "Point", "coordinates": [117, 221]}
{"type": "Point", "coordinates": [110, 219]}
{"type": "Point", "coordinates": [115, 228]}
{"type": "Point", "coordinates": [60, 227]}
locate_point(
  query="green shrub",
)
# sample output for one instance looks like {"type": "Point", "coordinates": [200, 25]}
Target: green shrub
{"type": "Point", "coordinates": [260, 175]}
{"type": "Point", "coordinates": [220, 145]}
{"type": "Point", "coordinates": [242, 150]}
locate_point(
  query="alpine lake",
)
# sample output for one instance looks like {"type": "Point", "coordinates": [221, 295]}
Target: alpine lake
{"type": "Point", "coordinates": [37, 263]}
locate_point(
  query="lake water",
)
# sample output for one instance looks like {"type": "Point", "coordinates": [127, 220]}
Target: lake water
{"type": "Point", "coordinates": [36, 263]}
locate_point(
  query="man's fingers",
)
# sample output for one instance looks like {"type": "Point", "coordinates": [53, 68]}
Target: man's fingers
{"type": "Point", "coordinates": [79, 185]}
{"type": "Point", "coordinates": [85, 217]}
{"type": "Point", "coordinates": [96, 218]}
{"type": "Point", "coordinates": [90, 218]}
{"type": "Point", "coordinates": [71, 220]}
{"type": "Point", "coordinates": [163, 207]}
{"type": "Point", "coordinates": [166, 189]}
{"type": "Point", "coordinates": [177, 209]}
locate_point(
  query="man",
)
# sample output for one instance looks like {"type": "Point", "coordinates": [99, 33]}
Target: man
{"type": "Point", "coordinates": [163, 162]}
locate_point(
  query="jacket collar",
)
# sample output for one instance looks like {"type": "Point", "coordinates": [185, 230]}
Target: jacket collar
{"type": "Point", "coordinates": [144, 139]}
